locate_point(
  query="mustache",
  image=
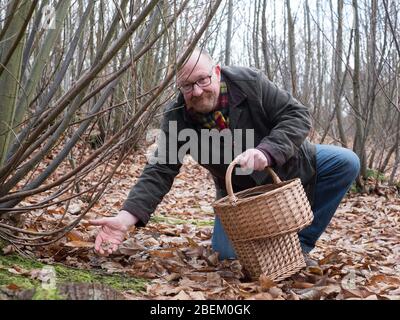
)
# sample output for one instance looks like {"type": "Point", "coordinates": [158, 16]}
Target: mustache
{"type": "Point", "coordinates": [202, 97]}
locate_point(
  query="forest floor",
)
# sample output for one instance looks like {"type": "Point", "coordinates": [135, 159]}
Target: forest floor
{"type": "Point", "coordinates": [171, 258]}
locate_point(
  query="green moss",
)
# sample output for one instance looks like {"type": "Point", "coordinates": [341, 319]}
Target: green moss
{"type": "Point", "coordinates": [25, 263]}
{"type": "Point", "coordinates": [354, 188]}
{"type": "Point", "coordinates": [64, 275]}
{"type": "Point", "coordinates": [175, 221]}
{"type": "Point", "coordinates": [47, 294]}
{"type": "Point", "coordinates": [375, 175]}
{"type": "Point", "coordinates": [7, 278]}
{"type": "Point", "coordinates": [21, 281]}
{"type": "Point", "coordinates": [118, 282]}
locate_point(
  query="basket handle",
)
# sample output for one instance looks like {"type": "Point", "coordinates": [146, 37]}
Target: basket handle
{"type": "Point", "coordinates": [228, 179]}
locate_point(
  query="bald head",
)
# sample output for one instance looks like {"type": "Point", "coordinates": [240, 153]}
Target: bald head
{"type": "Point", "coordinates": [202, 77]}
{"type": "Point", "coordinates": [198, 56]}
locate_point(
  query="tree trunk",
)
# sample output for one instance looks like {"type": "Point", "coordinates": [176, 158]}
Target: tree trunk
{"type": "Point", "coordinates": [264, 43]}
{"type": "Point", "coordinates": [359, 135]}
{"type": "Point", "coordinates": [339, 75]}
{"type": "Point", "coordinates": [228, 39]}
{"type": "Point", "coordinates": [292, 51]}
{"type": "Point", "coordinates": [9, 80]}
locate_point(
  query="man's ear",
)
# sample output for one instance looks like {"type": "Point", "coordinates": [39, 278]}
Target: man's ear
{"type": "Point", "coordinates": [218, 71]}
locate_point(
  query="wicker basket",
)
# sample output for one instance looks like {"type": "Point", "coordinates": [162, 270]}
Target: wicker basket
{"type": "Point", "coordinates": [264, 211]}
{"type": "Point", "coordinates": [277, 257]}
{"type": "Point", "coordinates": [262, 224]}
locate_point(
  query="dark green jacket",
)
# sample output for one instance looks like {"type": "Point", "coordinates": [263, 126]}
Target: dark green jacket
{"type": "Point", "coordinates": [281, 125]}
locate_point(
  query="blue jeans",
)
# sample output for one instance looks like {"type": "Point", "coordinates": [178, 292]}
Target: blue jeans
{"type": "Point", "coordinates": [337, 168]}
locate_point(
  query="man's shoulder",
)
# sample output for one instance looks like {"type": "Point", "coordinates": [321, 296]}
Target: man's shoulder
{"type": "Point", "coordinates": [239, 73]}
{"type": "Point", "coordinates": [173, 108]}
{"type": "Point", "coordinates": [173, 112]}
{"type": "Point", "coordinates": [245, 79]}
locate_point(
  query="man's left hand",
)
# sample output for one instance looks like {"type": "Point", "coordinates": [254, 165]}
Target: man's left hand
{"type": "Point", "coordinates": [252, 159]}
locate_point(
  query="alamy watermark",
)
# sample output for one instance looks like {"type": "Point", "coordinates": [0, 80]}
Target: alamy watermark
{"type": "Point", "coordinates": [48, 277]}
{"type": "Point", "coordinates": [208, 147]}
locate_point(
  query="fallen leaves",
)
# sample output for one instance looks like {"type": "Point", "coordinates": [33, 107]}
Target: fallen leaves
{"type": "Point", "coordinates": [378, 279]}
{"type": "Point", "coordinates": [315, 270]}
{"type": "Point", "coordinates": [79, 244]}
{"type": "Point", "coordinates": [358, 255]}
{"type": "Point", "coordinates": [266, 283]}
{"type": "Point", "coordinates": [131, 247]}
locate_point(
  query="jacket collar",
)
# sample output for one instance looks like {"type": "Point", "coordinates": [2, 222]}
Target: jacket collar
{"type": "Point", "coordinates": [236, 96]}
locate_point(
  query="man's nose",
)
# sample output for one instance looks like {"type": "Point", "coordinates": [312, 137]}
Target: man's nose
{"type": "Point", "coordinates": [197, 91]}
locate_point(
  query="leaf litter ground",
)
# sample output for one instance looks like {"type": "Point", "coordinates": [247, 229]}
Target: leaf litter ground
{"type": "Point", "coordinates": [358, 255]}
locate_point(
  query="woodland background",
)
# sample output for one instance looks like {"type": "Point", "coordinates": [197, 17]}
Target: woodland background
{"type": "Point", "coordinates": [82, 82]}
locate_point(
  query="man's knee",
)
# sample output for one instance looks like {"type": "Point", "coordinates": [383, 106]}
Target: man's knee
{"type": "Point", "coordinates": [350, 163]}
{"type": "Point", "coordinates": [337, 162]}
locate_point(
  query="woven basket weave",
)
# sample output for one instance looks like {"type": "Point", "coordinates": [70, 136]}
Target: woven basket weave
{"type": "Point", "coordinates": [262, 224]}
{"type": "Point", "coordinates": [278, 257]}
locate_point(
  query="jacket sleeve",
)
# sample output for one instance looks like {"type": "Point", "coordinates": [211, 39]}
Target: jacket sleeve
{"type": "Point", "coordinates": [290, 120]}
{"type": "Point", "coordinates": [155, 181]}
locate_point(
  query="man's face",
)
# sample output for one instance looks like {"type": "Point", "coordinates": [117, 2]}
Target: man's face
{"type": "Point", "coordinates": [203, 96]}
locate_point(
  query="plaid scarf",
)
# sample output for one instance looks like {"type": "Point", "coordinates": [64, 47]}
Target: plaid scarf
{"type": "Point", "coordinates": [217, 119]}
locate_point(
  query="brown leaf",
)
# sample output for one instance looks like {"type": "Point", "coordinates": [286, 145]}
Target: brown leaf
{"type": "Point", "coordinates": [266, 282]}
{"type": "Point", "coordinates": [187, 283]}
{"type": "Point", "coordinates": [173, 241]}
{"type": "Point", "coordinates": [165, 254]}
{"type": "Point", "coordinates": [182, 295]}
{"type": "Point", "coordinates": [358, 293]}
{"type": "Point", "coordinates": [194, 252]}
{"type": "Point", "coordinates": [275, 292]}
{"type": "Point", "coordinates": [172, 277]}
{"type": "Point", "coordinates": [214, 279]}
{"type": "Point", "coordinates": [331, 289]}
{"type": "Point", "coordinates": [131, 247]}
{"type": "Point", "coordinates": [196, 276]}
{"type": "Point", "coordinates": [75, 208]}
{"type": "Point", "coordinates": [383, 278]}
{"type": "Point", "coordinates": [158, 289]}
{"type": "Point", "coordinates": [112, 267]}
{"type": "Point", "coordinates": [395, 292]}
{"type": "Point", "coordinates": [9, 249]}
{"type": "Point", "coordinates": [79, 244]}
{"type": "Point", "coordinates": [13, 287]}
{"type": "Point", "coordinates": [331, 258]}
{"type": "Point", "coordinates": [310, 294]}
{"type": "Point", "coordinates": [147, 275]}
{"type": "Point", "coordinates": [391, 297]}
{"type": "Point", "coordinates": [213, 259]}
{"type": "Point", "coordinates": [18, 270]}
{"type": "Point", "coordinates": [197, 295]}
{"type": "Point", "coordinates": [302, 285]}
{"type": "Point", "coordinates": [293, 296]}
{"type": "Point", "coordinates": [261, 296]}
{"type": "Point", "coordinates": [151, 242]}
{"type": "Point", "coordinates": [192, 243]}
{"type": "Point", "coordinates": [315, 270]}
{"type": "Point", "coordinates": [74, 236]}
{"type": "Point", "coordinates": [249, 287]}
{"type": "Point", "coordinates": [55, 210]}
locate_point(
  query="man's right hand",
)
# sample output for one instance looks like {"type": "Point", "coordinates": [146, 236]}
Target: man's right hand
{"type": "Point", "coordinates": [113, 231]}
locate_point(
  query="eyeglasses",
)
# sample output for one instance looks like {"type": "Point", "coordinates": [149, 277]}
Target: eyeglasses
{"type": "Point", "coordinates": [202, 82]}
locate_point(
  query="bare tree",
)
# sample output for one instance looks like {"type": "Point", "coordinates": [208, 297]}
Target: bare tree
{"type": "Point", "coordinates": [228, 39]}
{"type": "Point", "coordinates": [292, 50]}
{"type": "Point", "coordinates": [61, 109]}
